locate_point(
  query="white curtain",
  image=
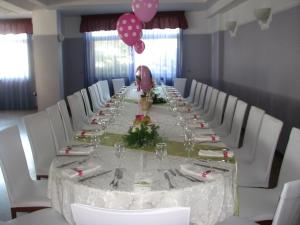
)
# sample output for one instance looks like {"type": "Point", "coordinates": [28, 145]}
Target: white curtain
{"type": "Point", "coordinates": [162, 53]}
{"type": "Point", "coordinates": [107, 57]}
{"type": "Point", "coordinates": [16, 83]}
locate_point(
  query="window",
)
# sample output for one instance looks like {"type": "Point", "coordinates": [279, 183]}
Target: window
{"type": "Point", "coordinates": [14, 62]}
{"type": "Point", "coordinates": [108, 57]}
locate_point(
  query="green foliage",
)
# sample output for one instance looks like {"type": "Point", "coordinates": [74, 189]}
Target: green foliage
{"type": "Point", "coordinates": [142, 135]}
{"type": "Point", "coordinates": [158, 100]}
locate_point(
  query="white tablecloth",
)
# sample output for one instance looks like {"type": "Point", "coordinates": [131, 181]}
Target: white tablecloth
{"type": "Point", "coordinates": [210, 201]}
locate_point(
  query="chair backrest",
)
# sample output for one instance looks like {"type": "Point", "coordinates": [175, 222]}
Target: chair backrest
{"type": "Point", "coordinates": [88, 215]}
{"type": "Point", "coordinates": [288, 209]}
{"type": "Point", "coordinates": [101, 92]}
{"type": "Point", "coordinates": [197, 94]}
{"type": "Point", "coordinates": [13, 162]}
{"type": "Point", "coordinates": [290, 165]}
{"type": "Point", "coordinates": [202, 96]}
{"type": "Point", "coordinates": [98, 95]}
{"type": "Point", "coordinates": [62, 106]}
{"type": "Point", "coordinates": [252, 130]}
{"type": "Point", "coordinates": [266, 146]}
{"type": "Point", "coordinates": [179, 84]}
{"type": "Point", "coordinates": [212, 104]}
{"type": "Point", "coordinates": [218, 115]}
{"type": "Point", "coordinates": [229, 112]}
{"type": "Point", "coordinates": [77, 112]}
{"type": "Point", "coordinates": [118, 84]}
{"type": "Point", "coordinates": [57, 126]}
{"type": "Point", "coordinates": [81, 105]}
{"type": "Point", "coordinates": [237, 123]}
{"type": "Point", "coordinates": [96, 104]}
{"type": "Point", "coordinates": [87, 103]}
{"type": "Point", "coordinates": [41, 139]}
{"type": "Point", "coordinates": [207, 98]}
{"type": "Point", "coordinates": [105, 88]}
{"type": "Point", "coordinates": [190, 98]}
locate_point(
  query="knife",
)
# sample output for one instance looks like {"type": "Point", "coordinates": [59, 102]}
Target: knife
{"type": "Point", "coordinates": [96, 175]}
{"type": "Point", "coordinates": [213, 167]}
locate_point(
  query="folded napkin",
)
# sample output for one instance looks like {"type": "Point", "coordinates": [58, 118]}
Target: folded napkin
{"type": "Point", "coordinates": [209, 138]}
{"type": "Point", "coordinates": [88, 133]}
{"type": "Point", "coordinates": [216, 153]}
{"type": "Point", "coordinates": [142, 182]}
{"type": "Point", "coordinates": [76, 150]}
{"type": "Point", "coordinates": [81, 170]}
{"type": "Point", "coordinates": [200, 125]}
{"type": "Point", "coordinates": [198, 172]}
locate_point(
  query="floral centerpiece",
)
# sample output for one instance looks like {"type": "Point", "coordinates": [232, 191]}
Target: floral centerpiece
{"type": "Point", "coordinates": [145, 84]}
{"type": "Point", "coordinates": [142, 133]}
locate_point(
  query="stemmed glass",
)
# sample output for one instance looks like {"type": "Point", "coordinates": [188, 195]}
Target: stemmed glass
{"type": "Point", "coordinates": [119, 151]}
{"type": "Point", "coordinates": [103, 123]}
{"type": "Point", "coordinates": [188, 141]}
{"type": "Point", "coordinates": [161, 152]}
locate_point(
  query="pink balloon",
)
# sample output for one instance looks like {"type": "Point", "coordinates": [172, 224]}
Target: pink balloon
{"type": "Point", "coordinates": [129, 28]}
{"type": "Point", "coordinates": [145, 10]}
{"type": "Point", "coordinates": [146, 82]}
{"type": "Point", "coordinates": [139, 47]}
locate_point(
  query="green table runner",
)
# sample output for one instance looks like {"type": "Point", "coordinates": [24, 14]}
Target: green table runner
{"type": "Point", "coordinates": [174, 148]}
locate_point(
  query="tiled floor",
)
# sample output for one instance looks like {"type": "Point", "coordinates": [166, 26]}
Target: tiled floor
{"type": "Point", "coordinates": [7, 119]}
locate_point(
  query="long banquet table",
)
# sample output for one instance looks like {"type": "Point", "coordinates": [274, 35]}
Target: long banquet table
{"type": "Point", "coordinates": [210, 201]}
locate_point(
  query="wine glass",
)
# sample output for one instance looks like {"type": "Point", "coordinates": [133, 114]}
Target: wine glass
{"type": "Point", "coordinates": [119, 151]}
{"type": "Point", "coordinates": [161, 152]}
{"type": "Point", "coordinates": [188, 141]}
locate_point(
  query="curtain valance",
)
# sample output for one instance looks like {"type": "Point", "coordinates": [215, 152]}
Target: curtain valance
{"type": "Point", "coordinates": [161, 20]}
{"type": "Point", "coordinates": [16, 26]}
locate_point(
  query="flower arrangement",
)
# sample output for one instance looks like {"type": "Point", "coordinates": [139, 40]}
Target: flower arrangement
{"type": "Point", "coordinates": [142, 133]}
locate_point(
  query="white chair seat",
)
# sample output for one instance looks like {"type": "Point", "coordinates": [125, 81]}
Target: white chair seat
{"type": "Point", "coordinates": [236, 221]}
{"type": "Point", "coordinates": [258, 204]}
{"type": "Point", "coordinates": [242, 154]}
{"type": "Point", "coordinates": [252, 178]}
{"type": "Point", "coordinates": [41, 217]}
{"type": "Point", "coordinates": [33, 195]}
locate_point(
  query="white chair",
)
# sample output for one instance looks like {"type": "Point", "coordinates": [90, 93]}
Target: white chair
{"type": "Point", "coordinates": [218, 115]}
{"type": "Point", "coordinates": [190, 98]}
{"type": "Point", "coordinates": [233, 139]}
{"type": "Point", "coordinates": [44, 217]}
{"type": "Point", "coordinates": [212, 106]}
{"type": "Point", "coordinates": [257, 173]}
{"type": "Point", "coordinates": [57, 126]}
{"type": "Point", "coordinates": [25, 195]}
{"type": "Point", "coordinates": [39, 131]}
{"type": "Point", "coordinates": [259, 204]}
{"type": "Point", "coordinates": [197, 95]}
{"type": "Point", "coordinates": [105, 88]}
{"type": "Point", "coordinates": [79, 119]}
{"type": "Point", "coordinates": [225, 127]}
{"type": "Point", "coordinates": [62, 106]}
{"type": "Point", "coordinates": [247, 151]}
{"type": "Point", "coordinates": [179, 84]}
{"type": "Point", "coordinates": [101, 93]}
{"type": "Point", "coordinates": [207, 100]}
{"type": "Point", "coordinates": [202, 97]}
{"type": "Point", "coordinates": [87, 103]}
{"type": "Point", "coordinates": [94, 98]}
{"type": "Point", "coordinates": [118, 84]}
{"type": "Point", "coordinates": [287, 212]}
{"type": "Point", "coordinates": [88, 215]}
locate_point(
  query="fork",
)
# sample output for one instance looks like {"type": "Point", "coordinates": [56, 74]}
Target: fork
{"type": "Point", "coordinates": [171, 186]}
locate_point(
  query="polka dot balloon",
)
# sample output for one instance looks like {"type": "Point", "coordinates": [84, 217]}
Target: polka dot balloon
{"type": "Point", "coordinates": [145, 10]}
{"type": "Point", "coordinates": [129, 28]}
{"type": "Point", "coordinates": [139, 47]}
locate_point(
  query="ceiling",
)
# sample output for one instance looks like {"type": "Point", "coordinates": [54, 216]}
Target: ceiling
{"type": "Point", "coordinates": [23, 8]}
